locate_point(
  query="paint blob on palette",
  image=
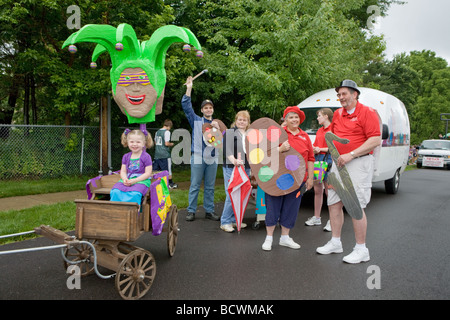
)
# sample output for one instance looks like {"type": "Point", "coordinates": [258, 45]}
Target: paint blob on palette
{"type": "Point", "coordinates": [276, 173]}
{"type": "Point", "coordinates": [212, 136]}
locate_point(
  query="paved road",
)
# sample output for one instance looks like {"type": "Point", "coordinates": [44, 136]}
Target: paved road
{"type": "Point", "coordinates": [407, 238]}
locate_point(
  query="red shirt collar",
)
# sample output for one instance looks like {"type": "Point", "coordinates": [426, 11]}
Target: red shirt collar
{"type": "Point", "coordinates": [356, 112]}
{"type": "Point", "coordinates": [297, 134]}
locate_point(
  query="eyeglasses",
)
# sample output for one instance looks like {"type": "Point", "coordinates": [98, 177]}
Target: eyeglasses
{"type": "Point", "coordinates": [127, 79]}
{"type": "Point", "coordinates": [343, 94]}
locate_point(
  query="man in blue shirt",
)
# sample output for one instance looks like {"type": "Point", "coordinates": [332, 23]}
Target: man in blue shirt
{"type": "Point", "coordinates": [204, 159]}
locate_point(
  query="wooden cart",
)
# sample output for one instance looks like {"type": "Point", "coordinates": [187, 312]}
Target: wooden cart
{"type": "Point", "coordinates": [102, 232]}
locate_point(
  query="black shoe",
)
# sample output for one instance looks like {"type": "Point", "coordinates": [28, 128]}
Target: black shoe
{"type": "Point", "coordinates": [211, 216]}
{"type": "Point", "coordinates": [190, 216]}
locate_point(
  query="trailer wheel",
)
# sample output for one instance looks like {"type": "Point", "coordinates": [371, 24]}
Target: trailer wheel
{"type": "Point", "coordinates": [172, 232]}
{"type": "Point", "coordinates": [255, 225]}
{"type": "Point", "coordinates": [136, 274]}
{"type": "Point", "coordinates": [81, 255]}
{"type": "Point", "coordinates": [393, 184]}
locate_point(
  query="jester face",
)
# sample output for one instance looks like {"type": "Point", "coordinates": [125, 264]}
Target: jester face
{"type": "Point", "coordinates": [134, 93]}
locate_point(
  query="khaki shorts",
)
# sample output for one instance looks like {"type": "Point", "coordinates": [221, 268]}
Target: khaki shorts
{"type": "Point", "coordinates": [361, 173]}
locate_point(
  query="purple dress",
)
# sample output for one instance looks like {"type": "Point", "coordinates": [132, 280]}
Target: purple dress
{"type": "Point", "coordinates": [135, 168]}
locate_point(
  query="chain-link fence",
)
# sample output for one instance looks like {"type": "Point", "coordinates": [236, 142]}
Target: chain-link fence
{"type": "Point", "coordinates": [30, 151]}
{"type": "Point", "coordinates": [43, 151]}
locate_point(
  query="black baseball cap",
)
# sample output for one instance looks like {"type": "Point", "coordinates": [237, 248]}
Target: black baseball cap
{"type": "Point", "coordinates": [205, 102]}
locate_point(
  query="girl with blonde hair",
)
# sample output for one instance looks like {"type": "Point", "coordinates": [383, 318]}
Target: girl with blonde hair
{"type": "Point", "coordinates": [136, 167]}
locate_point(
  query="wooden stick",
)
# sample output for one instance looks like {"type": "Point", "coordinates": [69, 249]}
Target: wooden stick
{"type": "Point", "coordinates": [198, 75]}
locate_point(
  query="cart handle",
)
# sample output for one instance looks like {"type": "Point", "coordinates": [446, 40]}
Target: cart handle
{"type": "Point", "coordinates": [61, 246]}
{"type": "Point", "coordinates": [16, 234]}
{"type": "Point", "coordinates": [27, 249]}
{"type": "Point", "coordinates": [33, 249]}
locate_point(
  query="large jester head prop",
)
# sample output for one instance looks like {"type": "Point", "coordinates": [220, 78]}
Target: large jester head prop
{"type": "Point", "coordinates": [138, 76]}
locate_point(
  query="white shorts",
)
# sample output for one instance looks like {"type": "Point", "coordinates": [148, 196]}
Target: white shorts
{"type": "Point", "coordinates": [361, 173]}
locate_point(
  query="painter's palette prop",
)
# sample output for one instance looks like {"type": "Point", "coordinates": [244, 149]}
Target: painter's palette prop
{"type": "Point", "coordinates": [212, 136]}
{"type": "Point", "coordinates": [343, 186]}
{"type": "Point", "coordinates": [277, 173]}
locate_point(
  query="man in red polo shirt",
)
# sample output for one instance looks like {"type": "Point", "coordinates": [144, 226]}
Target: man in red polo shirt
{"type": "Point", "coordinates": [359, 124]}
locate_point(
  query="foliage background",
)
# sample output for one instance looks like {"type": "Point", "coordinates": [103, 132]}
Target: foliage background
{"type": "Point", "coordinates": [261, 56]}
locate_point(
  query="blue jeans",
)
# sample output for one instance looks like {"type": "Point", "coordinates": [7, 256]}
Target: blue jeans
{"type": "Point", "coordinates": [198, 172]}
{"type": "Point", "coordinates": [228, 213]}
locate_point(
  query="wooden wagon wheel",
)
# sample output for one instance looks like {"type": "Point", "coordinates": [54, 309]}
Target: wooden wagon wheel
{"type": "Point", "coordinates": [80, 252]}
{"type": "Point", "coordinates": [135, 274]}
{"type": "Point", "coordinates": [172, 232]}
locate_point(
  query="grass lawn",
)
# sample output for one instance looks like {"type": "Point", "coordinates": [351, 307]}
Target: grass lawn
{"type": "Point", "coordinates": [13, 188]}
{"type": "Point", "coordinates": [62, 216]}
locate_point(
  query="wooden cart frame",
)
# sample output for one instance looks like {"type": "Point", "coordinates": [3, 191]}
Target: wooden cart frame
{"type": "Point", "coordinates": [102, 231]}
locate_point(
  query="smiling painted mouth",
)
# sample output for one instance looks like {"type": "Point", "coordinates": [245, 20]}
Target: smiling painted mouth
{"type": "Point", "coordinates": [135, 99]}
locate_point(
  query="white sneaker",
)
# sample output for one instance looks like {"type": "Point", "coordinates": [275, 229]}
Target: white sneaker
{"type": "Point", "coordinates": [267, 245]}
{"type": "Point", "coordinates": [327, 226]}
{"type": "Point", "coordinates": [330, 247]}
{"type": "Point", "coordinates": [227, 227]}
{"type": "Point", "coordinates": [313, 221]}
{"type": "Point", "coordinates": [243, 225]}
{"type": "Point", "coordinates": [288, 242]}
{"type": "Point", "coordinates": [357, 256]}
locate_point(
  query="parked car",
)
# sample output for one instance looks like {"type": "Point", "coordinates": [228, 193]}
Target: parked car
{"type": "Point", "coordinates": [434, 153]}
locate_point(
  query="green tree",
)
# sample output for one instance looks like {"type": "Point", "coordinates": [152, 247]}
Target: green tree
{"type": "Point", "coordinates": [421, 80]}
{"type": "Point", "coordinates": [261, 55]}
{"type": "Point", "coordinates": [266, 55]}
{"type": "Point", "coordinates": [53, 83]}
{"type": "Point", "coordinates": [396, 77]}
{"type": "Point", "coordinates": [434, 96]}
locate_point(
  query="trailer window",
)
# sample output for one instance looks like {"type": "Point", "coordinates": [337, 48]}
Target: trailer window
{"type": "Point", "coordinates": [310, 125]}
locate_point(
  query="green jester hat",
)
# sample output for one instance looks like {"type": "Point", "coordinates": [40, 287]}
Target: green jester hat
{"type": "Point", "coordinates": [138, 74]}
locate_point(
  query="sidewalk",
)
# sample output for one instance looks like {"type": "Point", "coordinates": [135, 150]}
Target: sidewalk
{"type": "Point", "coordinates": [24, 202]}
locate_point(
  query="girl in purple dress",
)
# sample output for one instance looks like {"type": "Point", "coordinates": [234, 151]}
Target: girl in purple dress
{"type": "Point", "coordinates": [136, 168]}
